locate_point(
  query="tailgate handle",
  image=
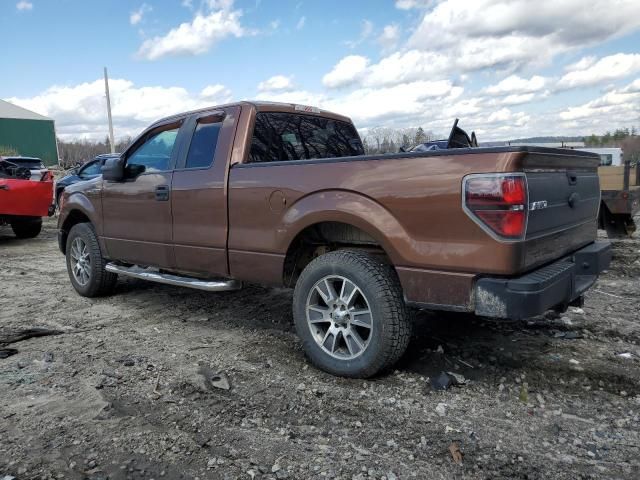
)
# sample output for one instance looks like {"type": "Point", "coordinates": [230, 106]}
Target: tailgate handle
{"type": "Point", "coordinates": [572, 177]}
{"type": "Point", "coordinates": [162, 193]}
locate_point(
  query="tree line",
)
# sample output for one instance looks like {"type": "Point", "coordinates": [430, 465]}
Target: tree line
{"type": "Point", "coordinates": [379, 140]}
{"type": "Point", "coordinates": [611, 139]}
{"type": "Point", "coordinates": [626, 138]}
{"type": "Point", "coordinates": [77, 152]}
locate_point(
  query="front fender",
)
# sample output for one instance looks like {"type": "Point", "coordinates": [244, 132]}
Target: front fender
{"type": "Point", "coordinates": [348, 207]}
{"type": "Point", "coordinates": [78, 202]}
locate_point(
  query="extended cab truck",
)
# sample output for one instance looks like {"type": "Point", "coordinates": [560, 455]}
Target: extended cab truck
{"type": "Point", "coordinates": [282, 194]}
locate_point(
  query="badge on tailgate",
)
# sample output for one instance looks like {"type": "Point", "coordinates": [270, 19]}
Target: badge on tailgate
{"type": "Point", "coordinates": [538, 205]}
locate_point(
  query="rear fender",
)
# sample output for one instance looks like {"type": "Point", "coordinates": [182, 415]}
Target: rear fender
{"type": "Point", "coordinates": [346, 207]}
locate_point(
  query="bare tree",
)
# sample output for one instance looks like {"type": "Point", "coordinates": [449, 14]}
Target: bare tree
{"type": "Point", "coordinates": [77, 152]}
{"type": "Point", "coordinates": [379, 140]}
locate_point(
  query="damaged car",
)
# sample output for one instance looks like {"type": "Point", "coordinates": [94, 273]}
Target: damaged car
{"type": "Point", "coordinates": [26, 195]}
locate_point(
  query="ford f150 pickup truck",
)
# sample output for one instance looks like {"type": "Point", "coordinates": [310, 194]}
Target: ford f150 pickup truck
{"type": "Point", "coordinates": [283, 194]}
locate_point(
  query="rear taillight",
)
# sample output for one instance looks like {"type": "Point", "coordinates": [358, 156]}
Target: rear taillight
{"type": "Point", "coordinates": [498, 203]}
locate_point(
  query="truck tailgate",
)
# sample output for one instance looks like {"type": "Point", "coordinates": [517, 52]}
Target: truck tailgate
{"type": "Point", "coordinates": [25, 197]}
{"type": "Point", "coordinates": [564, 197]}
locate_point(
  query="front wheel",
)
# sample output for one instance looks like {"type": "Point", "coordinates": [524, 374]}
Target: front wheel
{"type": "Point", "coordinates": [85, 264]}
{"type": "Point", "coordinates": [27, 228]}
{"type": "Point", "coordinates": [350, 314]}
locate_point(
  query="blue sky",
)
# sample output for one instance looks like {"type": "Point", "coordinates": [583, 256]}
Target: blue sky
{"type": "Point", "coordinates": [507, 69]}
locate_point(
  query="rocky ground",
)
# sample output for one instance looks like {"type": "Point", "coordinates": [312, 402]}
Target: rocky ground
{"type": "Point", "coordinates": [164, 382]}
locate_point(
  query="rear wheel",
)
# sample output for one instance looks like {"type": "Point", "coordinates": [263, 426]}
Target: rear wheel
{"type": "Point", "coordinates": [85, 263]}
{"type": "Point", "coordinates": [350, 314]}
{"type": "Point", "coordinates": [27, 228]}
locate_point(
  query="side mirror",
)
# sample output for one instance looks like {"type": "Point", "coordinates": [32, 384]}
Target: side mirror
{"type": "Point", "coordinates": [133, 170]}
{"type": "Point", "coordinates": [113, 169]}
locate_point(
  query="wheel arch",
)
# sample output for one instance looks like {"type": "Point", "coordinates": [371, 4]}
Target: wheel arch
{"type": "Point", "coordinates": [354, 220]}
{"type": "Point", "coordinates": [77, 208]}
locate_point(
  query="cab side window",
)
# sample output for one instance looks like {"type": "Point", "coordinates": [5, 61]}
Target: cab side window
{"type": "Point", "coordinates": [155, 153]}
{"type": "Point", "coordinates": [202, 149]}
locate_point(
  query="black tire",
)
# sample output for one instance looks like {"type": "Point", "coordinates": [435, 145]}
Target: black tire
{"type": "Point", "coordinates": [100, 282]}
{"type": "Point", "coordinates": [27, 228]}
{"type": "Point", "coordinates": [391, 319]}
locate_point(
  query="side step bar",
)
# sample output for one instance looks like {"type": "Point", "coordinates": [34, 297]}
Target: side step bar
{"type": "Point", "coordinates": [168, 279]}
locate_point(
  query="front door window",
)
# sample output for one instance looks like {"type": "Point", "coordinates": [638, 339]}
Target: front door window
{"type": "Point", "coordinates": [155, 153]}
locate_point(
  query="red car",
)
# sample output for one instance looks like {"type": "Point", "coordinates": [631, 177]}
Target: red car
{"type": "Point", "coordinates": [26, 195]}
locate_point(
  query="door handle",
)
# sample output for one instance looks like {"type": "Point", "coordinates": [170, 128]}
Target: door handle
{"type": "Point", "coordinates": [4, 187]}
{"type": "Point", "coordinates": [162, 193]}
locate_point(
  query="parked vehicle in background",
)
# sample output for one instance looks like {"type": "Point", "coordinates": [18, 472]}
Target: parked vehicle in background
{"type": "Point", "coordinates": [282, 194]}
{"type": "Point", "coordinates": [26, 195]}
{"type": "Point", "coordinates": [34, 165]}
{"type": "Point", "coordinates": [609, 156]}
{"type": "Point", "coordinates": [620, 187]}
{"type": "Point", "coordinates": [88, 171]}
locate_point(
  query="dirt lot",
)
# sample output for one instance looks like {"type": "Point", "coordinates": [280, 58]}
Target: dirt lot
{"type": "Point", "coordinates": [126, 391]}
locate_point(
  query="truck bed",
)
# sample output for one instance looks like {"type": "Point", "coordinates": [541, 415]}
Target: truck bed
{"type": "Point", "coordinates": [581, 159]}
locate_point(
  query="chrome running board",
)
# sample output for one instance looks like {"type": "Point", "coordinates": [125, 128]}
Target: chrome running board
{"type": "Point", "coordinates": [169, 279]}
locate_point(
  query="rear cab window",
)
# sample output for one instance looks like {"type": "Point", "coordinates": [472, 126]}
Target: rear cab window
{"type": "Point", "coordinates": [202, 148]}
{"type": "Point", "coordinates": [279, 136]}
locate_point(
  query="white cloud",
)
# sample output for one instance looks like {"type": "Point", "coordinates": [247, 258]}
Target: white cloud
{"type": "Point", "coordinates": [347, 71]}
{"type": "Point", "coordinates": [199, 35]}
{"type": "Point", "coordinates": [389, 37]}
{"type": "Point", "coordinates": [510, 35]}
{"type": "Point", "coordinates": [24, 5]}
{"type": "Point", "coordinates": [365, 32]}
{"type": "Point", "coordinates": [410, 100]}
{"type": "Point", "coordinates": [276, 83]}
{"type": "Point", "coordinates": [300, 97]}
{"type": "Point", "coordinates": [216, 94]}
{"type": "Point", "coordinates": [80, 110]}
{"type": "Point", "coordinates": [514, 84]}
{"type": "Point", "coordinates": [415, 64]}
{"type": "Point", "coordinates": [581, 64]}
{"type": "Point", "coordinates": [590, 71]}
{"type": "Point", "coordinates": [409, 4]}
{"type": "Point", "coordinates": [617, 107]}
{"type": "Point", "coordinates": [633, 87]}
{"type": "Point", "coordinates": [137, 15]}
{"type": "Point", "coordinates": [517, 98]}
{"type": "Point", "coordinates": [301, 22]}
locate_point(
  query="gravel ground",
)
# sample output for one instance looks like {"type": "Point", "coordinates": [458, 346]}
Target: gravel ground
{"type": "Point", "coordinates": [131, 387]}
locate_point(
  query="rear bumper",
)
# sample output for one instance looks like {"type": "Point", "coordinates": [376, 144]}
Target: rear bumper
{"type": "Point", "coordinates": [554, 285]}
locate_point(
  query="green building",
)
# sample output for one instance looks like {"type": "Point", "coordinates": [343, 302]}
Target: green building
{"type": "Point", "coordinates": [31, 134]}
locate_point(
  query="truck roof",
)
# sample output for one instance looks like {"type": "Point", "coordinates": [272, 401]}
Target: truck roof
{"type": "Point", "coordinates": [264, 106]}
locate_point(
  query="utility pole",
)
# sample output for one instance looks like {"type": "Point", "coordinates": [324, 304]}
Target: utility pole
{"type": "Point", "coordinates": [106, 89]}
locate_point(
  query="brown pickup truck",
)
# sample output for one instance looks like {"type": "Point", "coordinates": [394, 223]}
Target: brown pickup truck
{"type": "Point", "coordinates": [283, 194]}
